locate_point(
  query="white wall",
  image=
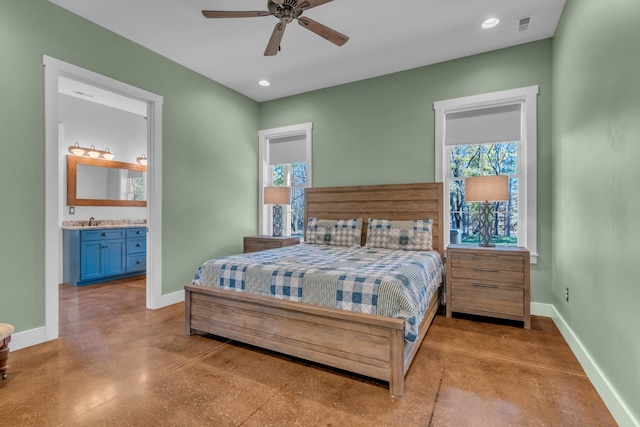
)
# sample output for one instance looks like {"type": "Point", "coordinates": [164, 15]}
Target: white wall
{"type": "Point", "coordinates": [93, 124]}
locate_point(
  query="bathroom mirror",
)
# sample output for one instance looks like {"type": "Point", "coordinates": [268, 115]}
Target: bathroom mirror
{"type": "Point", "coordinates": [97, 182]}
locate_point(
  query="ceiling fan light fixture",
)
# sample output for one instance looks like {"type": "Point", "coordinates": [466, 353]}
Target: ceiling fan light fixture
{"type": "Point", "coordinates": [490, 23]}
{"type": "Point", "coordinates": [264, 83]}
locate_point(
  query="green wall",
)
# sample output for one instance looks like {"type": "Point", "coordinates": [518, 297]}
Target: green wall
{"type": "Point", "coordinates": [209, 150]}
{"type": "Point", "coordinates": [381, 130]}
{"type": "Point", "coordinates": [596, 104]}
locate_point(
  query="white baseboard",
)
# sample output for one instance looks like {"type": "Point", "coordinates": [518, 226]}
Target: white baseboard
{"type": "Point", "coordinates": [28, 338]}
{"type": "Point", "coordinates": [609, 395]}
{"type": "Point", "coordinates": [36, 336]}
{"type": "Point", "coordinates": [607, 392]}
{"type": "Point", "coordinates": [170, 299]}
{"type": "Point", "coordinates": [544, 310]}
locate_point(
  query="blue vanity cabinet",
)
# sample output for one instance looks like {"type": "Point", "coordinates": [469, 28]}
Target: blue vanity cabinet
{"type": "Point", "coordinates": [102, 258]}
{"type": "Point", "coordinates": [96, 255]}
{"type": "Point", "coordinates": [136, 250]}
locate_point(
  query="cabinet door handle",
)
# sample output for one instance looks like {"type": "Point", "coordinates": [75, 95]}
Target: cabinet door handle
{"type": "Point", "coordinates": [138, 232]}
{"type": "Point", "coordinates": [105, 246]}
{"type": "Point", "coordinates": [138, 245]}
{"type": "Point", "coordinates": [484, 285]}
{"type": "Point", "coordinates": [105, 234]}
{"type": "Point", "coordinates": [139, 261]}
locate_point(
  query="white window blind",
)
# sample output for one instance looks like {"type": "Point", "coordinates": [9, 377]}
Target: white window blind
{"type": "Point", "coordinates": [484, 125]}
{"type": "Point", "coordinates": [287, 150]}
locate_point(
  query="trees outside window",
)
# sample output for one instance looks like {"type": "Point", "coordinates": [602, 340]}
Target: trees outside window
{"type": "Point", "coordinates": [481, 160]}
{"type": "Point", "coordinates": [292, 175]}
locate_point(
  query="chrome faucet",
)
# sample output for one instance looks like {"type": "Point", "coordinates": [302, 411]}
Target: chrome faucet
{"type": "Point", "coordinates": [91, 220]}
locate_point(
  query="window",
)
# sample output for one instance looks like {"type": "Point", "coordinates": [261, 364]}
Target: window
{"type": "Point", "coordinates": [285, 155]}
{"type": "Point", "coordinates": [292, 175]}
{"type": "Point", "coordinates": [135, 186]}
{"type": "Point", "coordinates": [470, 160]}
{"type": "Point", "coordinates": [489, 134]}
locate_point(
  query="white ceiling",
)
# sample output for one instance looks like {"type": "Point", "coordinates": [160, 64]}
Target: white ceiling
{"type": "Point", "coordinates": [385, 37]}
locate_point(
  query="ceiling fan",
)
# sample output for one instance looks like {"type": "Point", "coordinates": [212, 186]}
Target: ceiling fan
{"type": "Point", "coordinates": [286, 11]}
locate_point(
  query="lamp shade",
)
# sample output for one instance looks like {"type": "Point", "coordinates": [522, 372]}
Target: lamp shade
{"type": "Point", "coordinates": [277, 195]}
{"type": "Point", "coordinates": [487, 188]}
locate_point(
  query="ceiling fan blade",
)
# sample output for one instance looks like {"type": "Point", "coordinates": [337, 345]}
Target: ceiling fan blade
{"type": "Point", "coordinates": [323, 31]}
{"type": "Point", "coordinates": [309, 4]}
{"type": "Point", "coordinates": [276, 37]}
{"type": "Point", "coordinates": [231, 14]}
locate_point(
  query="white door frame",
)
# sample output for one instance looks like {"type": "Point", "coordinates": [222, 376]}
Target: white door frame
{"type": "Point", "coordinates": [54, 205]}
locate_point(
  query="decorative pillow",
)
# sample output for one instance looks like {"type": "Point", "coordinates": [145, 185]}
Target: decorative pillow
{"type": "Point", "coordinates": [407, 235]}
{"type": "Point", "coordinates": [342, 232]}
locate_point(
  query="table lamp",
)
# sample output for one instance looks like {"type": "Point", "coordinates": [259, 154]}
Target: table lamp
{"type": "Point", "coordinates": [484, 189]}
{"type": "Point", "coordinates": [277, 196]}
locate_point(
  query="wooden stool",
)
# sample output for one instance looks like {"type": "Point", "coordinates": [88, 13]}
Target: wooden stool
{"type": "Point", "coordinates": [5, 338]}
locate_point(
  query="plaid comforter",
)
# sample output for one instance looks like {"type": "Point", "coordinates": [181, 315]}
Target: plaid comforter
{"type": "Point", "coordinates": [393, 283]}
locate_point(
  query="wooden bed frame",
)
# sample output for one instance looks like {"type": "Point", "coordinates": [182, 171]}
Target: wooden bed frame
{"type": "Point", "coordinates": [365, 344]}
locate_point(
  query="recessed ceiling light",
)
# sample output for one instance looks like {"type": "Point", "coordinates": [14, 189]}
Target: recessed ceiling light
{"type": "Point", "coordinates": [490, 23]}
{"type": "Point", "coordinates": [264, 83]}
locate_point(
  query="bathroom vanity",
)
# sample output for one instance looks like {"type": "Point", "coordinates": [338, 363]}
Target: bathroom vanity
{"type": "Point", "coordinates": [97, 254]}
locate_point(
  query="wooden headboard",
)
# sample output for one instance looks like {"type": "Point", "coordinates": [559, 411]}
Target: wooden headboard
{"type": "Point", "coordinates": [393, 202]}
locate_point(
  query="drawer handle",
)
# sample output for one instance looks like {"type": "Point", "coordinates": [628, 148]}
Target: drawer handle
{"type": "Point", "coordinates": [105, 234]}
{"type": "Point", "coordinates": [105, 246]}
{"type": "Point", "coordinates": [138, 245]}
{"type": "Point", "coordinates": [484, 285]}
{"type": "Point", "coordinates": [139, 261]}
{"type": "Point", "coordinates": [486, 270]}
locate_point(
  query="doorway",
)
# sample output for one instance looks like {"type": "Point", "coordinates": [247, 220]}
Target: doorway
{"type": "Point", "coordinates": [54, 205]}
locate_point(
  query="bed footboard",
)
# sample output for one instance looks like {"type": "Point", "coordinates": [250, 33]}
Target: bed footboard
{"type": "Point", "coordinates": [365, 344]}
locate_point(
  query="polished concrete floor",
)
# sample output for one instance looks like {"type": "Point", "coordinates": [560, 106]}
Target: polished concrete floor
{"type": "Point", "coordinates": [118, 364]}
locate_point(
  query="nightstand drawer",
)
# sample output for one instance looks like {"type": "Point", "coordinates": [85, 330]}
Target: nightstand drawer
{"type": "Point", "coordinates": [488, 300]}
{"type": "Point", "coordinates": [490, 261]}
{"type": "Point", "coordinates": [261, 243]}
{"type": "Point", "coordinates": [488, 274]}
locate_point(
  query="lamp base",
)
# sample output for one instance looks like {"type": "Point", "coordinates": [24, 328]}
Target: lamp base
{"type": "Point", "coordinates": [484, 226]}
{"type": "Point", "coordinates": [277, 221]}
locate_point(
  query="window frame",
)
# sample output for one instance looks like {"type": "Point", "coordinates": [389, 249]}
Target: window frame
{"type": "Point", "coordinates": [527, 162]}
{"type": "Point", "coordinates": [264, 170]}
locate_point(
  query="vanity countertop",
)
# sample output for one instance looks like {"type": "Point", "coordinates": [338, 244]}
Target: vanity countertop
{"type": "Point", "coordinates": [103, 224]}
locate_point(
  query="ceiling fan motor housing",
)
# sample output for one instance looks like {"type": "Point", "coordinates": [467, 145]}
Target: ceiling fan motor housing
{"type": "Point", "coordinates": [286, 11]}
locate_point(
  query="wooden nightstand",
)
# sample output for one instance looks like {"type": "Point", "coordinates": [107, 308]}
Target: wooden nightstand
{"type": "Point", "coordinates": [261, 243]}
{"type": "Point", "coordinates": [490, 282]}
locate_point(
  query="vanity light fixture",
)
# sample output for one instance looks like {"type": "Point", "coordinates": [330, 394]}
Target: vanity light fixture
{"type": "Point", "coordinates": [142, 159]}
{"type": "Point", "coordinates": [107, 154]}
{"type": "Point", "coordinates": [490, 23]}
{"type": "Point", "coordinates": [92, 152]}
{"type": "Point", "coordinates": [76, 150]}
